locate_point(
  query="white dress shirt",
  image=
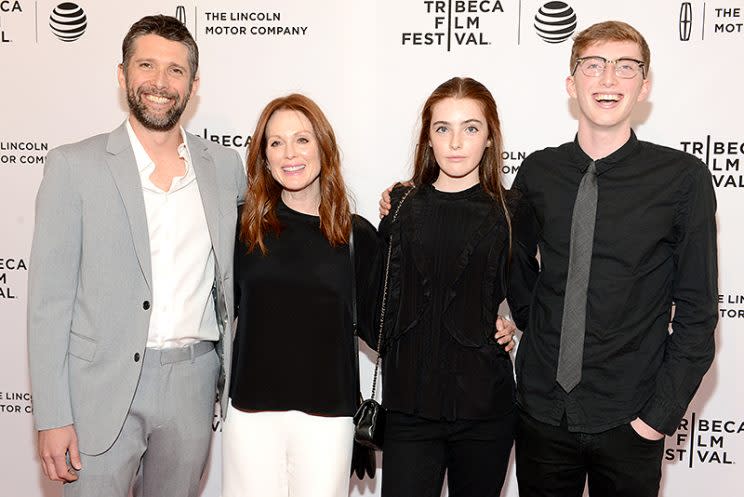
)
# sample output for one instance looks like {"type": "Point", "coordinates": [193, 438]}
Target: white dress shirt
{"type": "Point", "coordinates": [181, 254]}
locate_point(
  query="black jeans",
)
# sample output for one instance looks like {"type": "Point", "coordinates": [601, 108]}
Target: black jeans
{"type": "Point", "coordinates": [417, 452]}
{"type": "Point", "coordinates": [553, 462]}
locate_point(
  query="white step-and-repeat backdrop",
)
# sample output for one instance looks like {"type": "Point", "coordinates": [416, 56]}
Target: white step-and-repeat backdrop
{"type": "Point", "coordinates": [370, 65]}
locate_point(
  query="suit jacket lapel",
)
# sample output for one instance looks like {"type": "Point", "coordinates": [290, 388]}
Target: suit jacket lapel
{"type": "Point", "coordinates": [123, 167]}
{"type": "Point", "coordinates": [206, 178]}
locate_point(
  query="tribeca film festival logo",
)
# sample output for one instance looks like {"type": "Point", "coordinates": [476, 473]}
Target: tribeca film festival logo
{"type": "Point", "coordinates": [454, 23]}
{"type": "Point", "coordinates": [723, 158]}
{"type": "Point", "coordinates": [703, 441]}
{"type": "Point", "coordinates": [719, 21]}
{"type": "Point", "coordinates": [225, 23]}
{"type": "Point", "coordinates": [555, 22]}
{"type": "Point", "coordinates": [15, 402]}
{"type": "Point", "coordinates": [13, 265]}
{"type": "Point", "coordinates": [68, 21]}
{"type": "Point", "coordinates": [227, 139]}
{"type": "Point", "coordinates": [8, 9]}
{"type": "Point", "coordinates": [22, 153]}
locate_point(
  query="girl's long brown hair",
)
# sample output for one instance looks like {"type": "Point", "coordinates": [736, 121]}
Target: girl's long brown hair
{"type": "Point", "coordinates": [425, 167]}
{"type": "Point", "coordinates": [263, 192]}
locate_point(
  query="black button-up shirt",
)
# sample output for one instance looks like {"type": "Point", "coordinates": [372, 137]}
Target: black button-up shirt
{"type": "Point", "coordinates": [654, 246]}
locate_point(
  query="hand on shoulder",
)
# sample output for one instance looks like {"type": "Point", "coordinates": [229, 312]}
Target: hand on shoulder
{"type": "Point", "coordinates": [385, 201]}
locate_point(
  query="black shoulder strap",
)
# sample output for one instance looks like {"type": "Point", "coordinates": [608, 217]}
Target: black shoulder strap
{"type": "Point", "coordinates": [353, 282]}
{"type": "Point", "coordinates": [355, 337]}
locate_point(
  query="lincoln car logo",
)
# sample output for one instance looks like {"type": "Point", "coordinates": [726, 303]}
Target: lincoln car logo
{"type": "Point", "coordinates": [181, 14]}
{"type": "Point", "coordinates": [685, 21]}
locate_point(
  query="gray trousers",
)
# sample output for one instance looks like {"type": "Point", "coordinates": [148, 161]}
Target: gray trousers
{"type": "Point", "coordinates": [164, 443]}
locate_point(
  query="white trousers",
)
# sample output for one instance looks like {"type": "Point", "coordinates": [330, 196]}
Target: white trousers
{"type": "Point", "coordinates": [285, 454]}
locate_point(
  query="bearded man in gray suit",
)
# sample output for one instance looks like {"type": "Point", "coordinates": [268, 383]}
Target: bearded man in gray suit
{"type": "Point", "coordinates": [130, 286]}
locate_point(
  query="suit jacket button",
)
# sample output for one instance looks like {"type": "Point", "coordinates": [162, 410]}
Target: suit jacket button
{"type": "Point", "coordinates": [146, 304]}
{"type": "Point", "coordinates": [136, 357]}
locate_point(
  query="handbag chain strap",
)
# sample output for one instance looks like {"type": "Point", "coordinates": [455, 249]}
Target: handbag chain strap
{"type": "Point", "coordinates": [355, 337]}
{"type": "Point", "coordinates": [384, 294]}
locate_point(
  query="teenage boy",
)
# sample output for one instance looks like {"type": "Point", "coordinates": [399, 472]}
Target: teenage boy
{"type": "Point", "coordinates": [627, 244]}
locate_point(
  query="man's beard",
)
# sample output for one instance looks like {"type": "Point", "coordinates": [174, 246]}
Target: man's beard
{"type": "Point", "coordinates": [155, 122]}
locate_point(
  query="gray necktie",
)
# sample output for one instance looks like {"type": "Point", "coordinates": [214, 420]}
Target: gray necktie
{"type": "Point", "coordinates": [573, 325]}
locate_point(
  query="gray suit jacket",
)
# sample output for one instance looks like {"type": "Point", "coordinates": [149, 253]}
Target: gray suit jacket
{"type": "Point", "coordinates": [90, 276]}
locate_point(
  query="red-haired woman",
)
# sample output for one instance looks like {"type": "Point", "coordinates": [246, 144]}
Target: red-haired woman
{"type": "Point", "coordinates": [459, 247]}
{"type": "Point", "coordinates": [289, 429]}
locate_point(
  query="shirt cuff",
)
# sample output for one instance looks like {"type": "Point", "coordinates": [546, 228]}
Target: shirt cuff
{"type": "Point", "coordinates": [662, 416]}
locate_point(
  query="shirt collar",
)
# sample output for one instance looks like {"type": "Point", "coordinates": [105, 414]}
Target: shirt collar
{"type": "Point", "coordinates": [582, 160]}
{"type": "Point", "coordinates": [143, 159]}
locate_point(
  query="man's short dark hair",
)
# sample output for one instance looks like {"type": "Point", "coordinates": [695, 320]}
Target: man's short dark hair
{"type": "Point", "coordinates": [167, 27]}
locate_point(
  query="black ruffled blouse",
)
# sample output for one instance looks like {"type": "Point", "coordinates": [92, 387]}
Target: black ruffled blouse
{"type": "Point", "coordinates": [451, 267]}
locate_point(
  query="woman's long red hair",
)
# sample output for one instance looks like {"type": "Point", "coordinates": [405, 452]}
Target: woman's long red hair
{"type": "Point", "coordinates": [263, 192]}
